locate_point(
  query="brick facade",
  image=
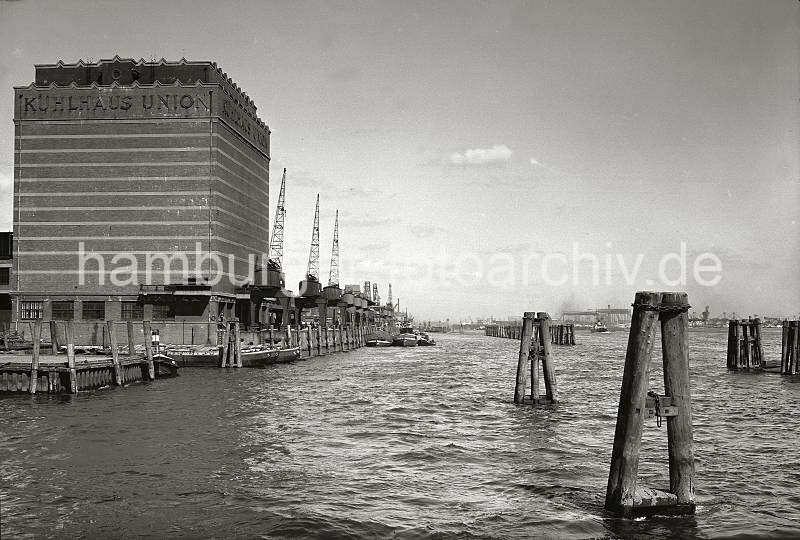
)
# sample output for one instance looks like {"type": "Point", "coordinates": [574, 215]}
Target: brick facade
{"type": "Point", "coordinates": [132, 159]}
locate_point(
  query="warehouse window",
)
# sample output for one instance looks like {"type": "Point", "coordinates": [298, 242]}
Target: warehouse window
{"type": "Point", "coordinates": [94, 310]}
{"type": "Point", "coordinates": [6, 245]}
{"type": "Point", "coordinates": [30, 310]}
{"type": "Point", "coordinates": [63, 310]}
{"type": "Point", "coordinates": [132, 311]}
{"type": "Point", "coordinates": [5, 276]}
{"type": "Point", "coordinates": [163, 311]}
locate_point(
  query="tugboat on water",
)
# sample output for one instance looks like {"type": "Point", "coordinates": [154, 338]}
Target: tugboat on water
{"type": "Point", "coordinates": [164, 366]}
{"type": "Point", "coordinates": [599, 326]}
{"type": "Point", "coordinates": [406, 338]}
{"type": "Point", "coordinates": [425, 340]}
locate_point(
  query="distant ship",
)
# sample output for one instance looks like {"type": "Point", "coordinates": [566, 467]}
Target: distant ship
{"type": "Point", "coordinates": [599, 326]}
{"type": "Point", "coordinates": [407, 336]}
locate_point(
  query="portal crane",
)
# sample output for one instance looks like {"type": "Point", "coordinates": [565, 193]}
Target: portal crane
{"type": "Point", "coordinates": [333, 277]}
{"type": "Point", "coordinates": [275, 258]}
{"type": "Point", "coordinates": [312, 271]}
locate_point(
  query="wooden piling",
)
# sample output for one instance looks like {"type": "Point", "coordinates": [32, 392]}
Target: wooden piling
{"type": "Point", "coordinates": [69, 335]}
{"type": "Point", "coordinates": [790, 348]}
{"type": "Point", "coordinates": [54, 337]}
{"type": "Point", "coordinates": [524, 351]}
{"type": "Point", "coordinates": [237, 345]}
{"type": "Point", "coordinates": [733, 346]}
{"type": "Point", "coordinates": [112, 338]}
{"type": "Point", "coordinates": [226, 342]}
{"type": "Point", "coordinates": [796, 350]}
{"type": "Point", "coordinates": [131, 344]}
{"type": "Point", "coordinates": [37, 337]}
{"type": "Point", "coordinates": [535, 358]}
{"type": "Point", "coordinates": [745, 351]}
{"type": "Point", "coordinates": [675, 357]}
{"type": "Point", "coordinates": [758, 347]}
{"type": "Point", "coordinates": [623, 496]}
{"type": "Point", "coordinates": [148, 350]}
{"type": "Point", "coordinates": [746, 362]}
{"type": "Point", "coordinates": [784, 347]}
{"type": "Point", "coordinates": [548, 370]}
{"type": "Point", "coordinates": [621, 487]}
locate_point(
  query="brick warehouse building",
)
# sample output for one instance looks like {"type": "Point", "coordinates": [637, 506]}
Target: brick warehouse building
{"type": "Point", "coordinates": [121, 160]}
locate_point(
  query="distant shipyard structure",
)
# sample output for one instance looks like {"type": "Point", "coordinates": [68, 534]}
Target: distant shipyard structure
{"type": "Point", "coordinates": [609, 316]}
{"type": "Point", "coordinates": [122, 158]}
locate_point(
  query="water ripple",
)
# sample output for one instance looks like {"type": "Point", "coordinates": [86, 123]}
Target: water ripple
{"type": "Point", "coordinates": [410, 443]}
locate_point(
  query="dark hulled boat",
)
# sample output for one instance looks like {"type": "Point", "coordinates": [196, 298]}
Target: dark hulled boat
{"type": "Point", "coordinates": [164, 366]}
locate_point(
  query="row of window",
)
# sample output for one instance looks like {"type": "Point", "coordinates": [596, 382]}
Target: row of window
{"type": "Point", "coordinates": [64, 310]}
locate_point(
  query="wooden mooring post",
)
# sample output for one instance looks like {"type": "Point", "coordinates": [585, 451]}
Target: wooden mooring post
{"type": "Point", "coordinates": [790, 348]}
{"type": "Point", "coordinates": [69, 335]}
{"type": "Point", "coordinates": [37, 337]}
{"type": "Point", "coordinates": [524, 351]}
{"type": "Point", "coordinates": [112, 338]}
{"type": "Point", "coordinates": [237, 345]}
{"type": "Point", "coordinates": [39, 371]}
{"type": "Point", "coordinates": [131, 344]}
{"type": "Point", "coordinates": [636, 404]}
{"type": "Point", "coordinates": [562, 334]}
{"type": "Point", "coordinates": [226, 345]}
{"type": "Point", "coordinates": [534, 351]}
{"type": "Point", "coordinates": [545, 352]}
{"type": "Point", "coordinates": [148, 350]}
{"type": "Point", "coordinates": [54, 337]}
{"type": "Point", "coordinates": [744, 345]}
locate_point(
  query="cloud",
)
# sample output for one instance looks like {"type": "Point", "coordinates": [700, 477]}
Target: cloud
{"type": "Point", "coordinates": [482, 156]}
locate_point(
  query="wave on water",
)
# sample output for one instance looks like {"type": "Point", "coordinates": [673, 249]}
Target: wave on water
{"type": "Point", "coordinates": [408, 443]}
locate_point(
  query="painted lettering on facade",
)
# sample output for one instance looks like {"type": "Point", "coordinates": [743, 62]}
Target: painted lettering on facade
{"type": "Point", "coordinates": [235, 116]}
{"type": "Point", "coordinates": [99, 104]}
{"type": "Point", "coordinates": [130, 103]}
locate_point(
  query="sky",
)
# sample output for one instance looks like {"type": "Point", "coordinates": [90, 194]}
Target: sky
{"type": "Point", "coordinates": [490, 158]}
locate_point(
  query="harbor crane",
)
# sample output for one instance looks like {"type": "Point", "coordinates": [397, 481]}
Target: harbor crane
{"type": "Point", "coordinates": [275, 257]}
{"type": "Point", "coordinates": [312, 271]}
{"type": "Point", "coordinates": [332, 294]}
{"type": "Point", "coordinates": [333, 277]}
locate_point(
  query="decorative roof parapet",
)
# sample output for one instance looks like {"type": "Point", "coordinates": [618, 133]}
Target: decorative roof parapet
{"type": "Point", "coordinates": [230, 87]}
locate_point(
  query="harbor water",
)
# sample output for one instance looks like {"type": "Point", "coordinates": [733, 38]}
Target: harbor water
{"type": "Point", "coordinates": [414, 443]}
